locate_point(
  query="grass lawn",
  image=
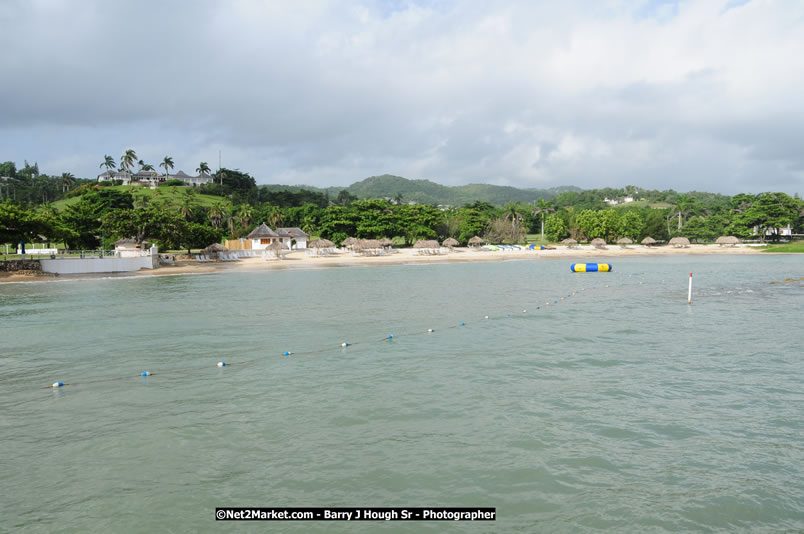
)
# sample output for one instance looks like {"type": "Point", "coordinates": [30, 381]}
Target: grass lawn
{"type": "Point", "coordinates": [795, 246]}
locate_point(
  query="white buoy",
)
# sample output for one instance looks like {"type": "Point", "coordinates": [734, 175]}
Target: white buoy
{"type": "Point", "coordinates": [486, 317]}
{"type": "Point", "coordinates": [524, 311]}
{"type": "Point", "coordinates": [57, 384]}
{"type": "Point", "coordinates": [345, 344]}
{"type": "Point", "coordinates": [689, 293]}
{"type": "Point", "coordinates": [429, 330]}
{"type": "Point", "coordinates": [221, 364]}
{"type": "Point", "coordinates": [145, 373]}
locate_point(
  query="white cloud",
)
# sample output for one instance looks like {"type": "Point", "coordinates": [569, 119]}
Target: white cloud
{"type": "Point", "coordinates": [702, 94]}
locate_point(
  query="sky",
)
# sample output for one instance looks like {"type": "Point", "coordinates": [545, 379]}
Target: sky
{"type": "Point", "coordinates": [703, 95]}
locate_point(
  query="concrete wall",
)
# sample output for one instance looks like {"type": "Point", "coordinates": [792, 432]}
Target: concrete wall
{"type": "Point", "coordinates": [97, 265]}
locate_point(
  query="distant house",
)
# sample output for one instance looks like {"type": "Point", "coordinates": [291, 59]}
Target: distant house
{"type": "Point", "coordinates": [153, 178]}
{"type": "Point", "coordinates": [262, 237]}
{"type": "Point", "coordinates": [611, 201]}
{"type": "Point", "coordinates": [785, 231]}
{"type": "Point", "coordinates": [128, 248]}
{"type": "Point", "coordinates": [298, 238]}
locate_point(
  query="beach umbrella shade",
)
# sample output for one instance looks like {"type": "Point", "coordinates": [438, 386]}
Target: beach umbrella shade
{"type": "Point", "coordinates": [623, 241]}
{"type": "Point", "coordinates": [598, 243]}
{"type": "Point", "coordinates": [426, 243]}
{"type": "Point", "coordinates": [648, 241]}
{"type": "Point", "coordinates": [214, 249]}
{"type": "Point", "coordinates": [349, 242]}
{"type": "Point", "coordinates": [727, 240]}
{"type": "Point", "coordinates": [450, 242]}
{"type": "Point", "coordinates": [569, 242]}
{"type": "Point", "coordinates": [679, 242]}
{"type": "Point", "coordinates": [367, 244]}
{"type": "Point", "coordinates": [275, 247]}
{"type": "Point", "coordinates": [385, 242]}
{"type": "Point", "coordinates": [475, 241]}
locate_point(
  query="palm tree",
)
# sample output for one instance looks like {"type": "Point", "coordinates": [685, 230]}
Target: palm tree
{"type": "Point", "coordinates": [167, 163]}
{"type": "Point", "coordinates": [203, 168]}
{"type": "Point", "coordinates": [275, 216]}
{"type": "Point", "coordinates": [127, 160]}
{"type": "Point", "coordinates": [245, 215]}
{"type": "Point", "coordinates": [685, 205]}
{"type": "Point", "coordinates": [543, 208]}
{"type": "Point", "coordinates": [147, 167]}
{"type": "Point", "coordinates": [216, 214]}
{"type": "Point", "coordinates": [108, 162]}
{"type": "Point", "coordinates": [186, 209]}
{"type": "Point", "coordinates": [67, 179]}
{"type": "Point", "coordinates": [511, 214]}
{"type": "Point", "coordinates": [141, 164]}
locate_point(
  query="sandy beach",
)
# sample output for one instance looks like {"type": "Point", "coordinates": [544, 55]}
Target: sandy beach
{"type": "Point", "coordinates": [301, 259]}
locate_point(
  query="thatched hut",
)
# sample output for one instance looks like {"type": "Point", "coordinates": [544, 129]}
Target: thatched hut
{"type": "Point", "coordinates": [727, 240]}
{"type": "Point", "coordinates": [623, 241]}
{"type": "Point", "coordinates": [569, 242]}
{"type": "Point", "coordinates": [214, 249]}
{"type": "Point", "coordinates": [598, 243]}
{"type": "Point", "coordinates": [680, 242]}
{"type": "Point", "coordinates": [476, 241]}
{"type": "Point", "coordinates": [450, 242]}
{"type": "Point", "coordinates": [648, 241]}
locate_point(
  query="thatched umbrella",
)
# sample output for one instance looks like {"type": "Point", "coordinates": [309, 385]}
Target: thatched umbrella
{"type": "Point", "coordinates": [648, 241]}
{"type": "Point", "coordinates": [623, 241]}
{"type": "Point", "coordinates": [385, 242]}
{"type": "Point", "coordinates": [680, 242]}
{"type": "Point", "coordinates": [321, 243]}
{"type": "Point", "coordinates": [727, 240]}
{"type": "Point", "coordinates": [476, 241]}
{"type": "Point", "coordinates": [426, 243]}
{"type": "Point", "coordinates": [450, 242]}
{"type": "Point", "coordinates": [569, 242]}
{"type": "Point", "coordinates": [214, 249]}
{"type": "Point", "coordinates": [349, 242]}
{"type": "Point", "coordinates": [367, 244]}
{"type": "Point", "coordinates": [598, 243]}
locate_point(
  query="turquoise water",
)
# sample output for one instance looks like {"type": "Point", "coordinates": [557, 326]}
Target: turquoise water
{"type": "Point", "coordinates": [618, 408]}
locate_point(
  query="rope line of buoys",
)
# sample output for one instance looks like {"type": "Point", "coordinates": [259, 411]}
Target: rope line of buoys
{"type": "Point", "coordinates": [343, 345]}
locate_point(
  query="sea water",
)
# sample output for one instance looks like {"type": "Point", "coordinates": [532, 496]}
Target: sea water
{"type": "Point", "coordinates": [584, 402]}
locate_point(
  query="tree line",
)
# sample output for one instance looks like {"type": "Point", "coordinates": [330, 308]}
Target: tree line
{"type": "Point", "coordinates": [180, 221]}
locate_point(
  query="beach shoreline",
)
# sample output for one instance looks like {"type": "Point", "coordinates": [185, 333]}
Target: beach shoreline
{"type": "Point", "coordinates": [301, 259]}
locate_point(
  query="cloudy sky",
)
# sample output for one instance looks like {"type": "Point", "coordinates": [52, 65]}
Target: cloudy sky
{"type": "Point", "coordinates": [690, 95]}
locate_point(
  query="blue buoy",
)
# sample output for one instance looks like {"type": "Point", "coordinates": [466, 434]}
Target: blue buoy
{"type": "Point", "coordinates": [390, 336]}
{"type": "Point", "coordinates": [537, 307]}
{"type": "Point", "coordinates": [145, 373]}
{"type": "Point", "coordinates": [345, 344]}
{"type": "Point", "coordinates": [221, 364]}
{"type": "Point", "coordinates": [58, 384]}
{"type": "Point", "coordinates": [555, 302]}
{"type": "Point", "coordinates": [288, 353]}
{"type": "Point", "coordinates": [462, 323]}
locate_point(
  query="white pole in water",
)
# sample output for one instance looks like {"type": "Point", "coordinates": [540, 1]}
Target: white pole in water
{"type": "Point", "coordinates": [689, 294]}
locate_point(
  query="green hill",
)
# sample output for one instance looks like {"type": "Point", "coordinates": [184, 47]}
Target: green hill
{"type": "Point", "coordinates": [427, 192]}
{"type": "Point", "coordinates": [171, 196]}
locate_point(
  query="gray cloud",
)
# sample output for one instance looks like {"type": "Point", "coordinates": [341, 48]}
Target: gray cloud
{"type": "Point", "coordinates": [687, 95]}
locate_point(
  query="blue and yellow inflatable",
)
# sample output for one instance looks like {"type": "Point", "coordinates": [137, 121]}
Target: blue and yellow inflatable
{"type": "Point", "coordinates": [591, 268]}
